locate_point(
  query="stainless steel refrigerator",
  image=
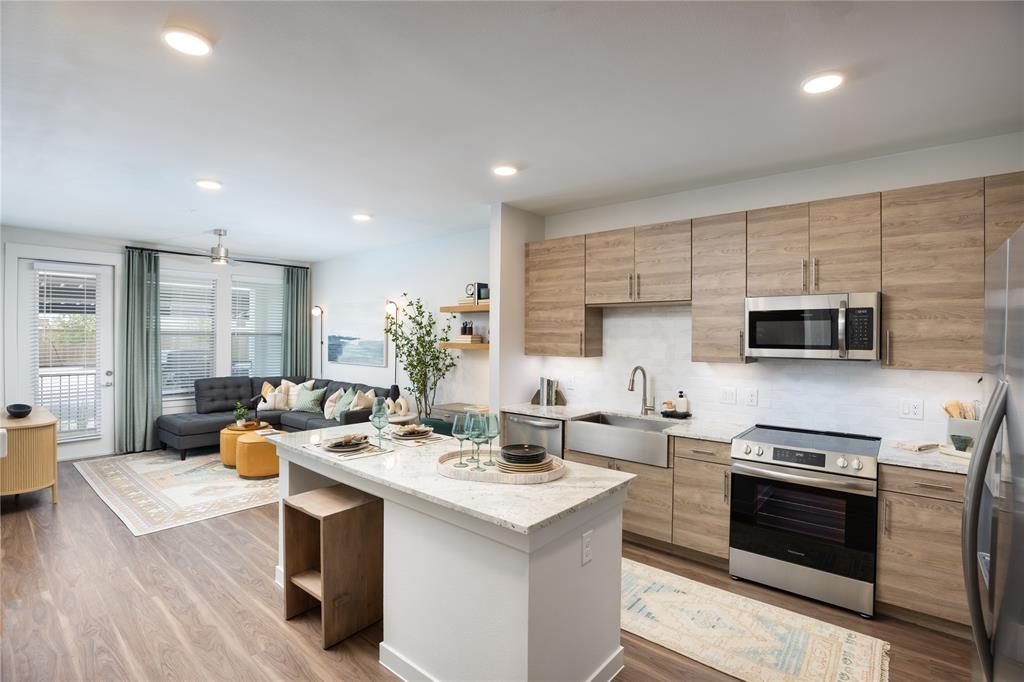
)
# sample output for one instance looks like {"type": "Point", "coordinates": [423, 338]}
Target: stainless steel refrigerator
{"type": "Point", "coordinates": [993, 522]}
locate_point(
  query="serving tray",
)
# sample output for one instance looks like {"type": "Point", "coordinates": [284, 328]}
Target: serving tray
{"type": "Point", "coordinates": [445, 468]}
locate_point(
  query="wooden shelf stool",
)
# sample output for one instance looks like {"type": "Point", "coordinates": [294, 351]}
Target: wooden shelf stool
{"type": "Point", "coordinates": [334, 556]}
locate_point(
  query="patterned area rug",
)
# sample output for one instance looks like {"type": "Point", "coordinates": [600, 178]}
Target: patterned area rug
{"type": "Point", "coordinates": [153, 491]}
{"type": "Point", "coordinates": [747, 639]}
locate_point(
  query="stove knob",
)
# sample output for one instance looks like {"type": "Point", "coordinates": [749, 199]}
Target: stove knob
{"type": "Point", "coordinates": [842, 463]}
{"type": "Point", "coordinates": [858, 465]}
{"type": "Point", "coordinates": [746, 449]}
{"type": "Point", "coordinates": [759, 451]}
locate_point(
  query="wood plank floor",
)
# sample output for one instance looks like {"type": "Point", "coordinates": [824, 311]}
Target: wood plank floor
{"type": "Point", "coordinates": [83, 599]}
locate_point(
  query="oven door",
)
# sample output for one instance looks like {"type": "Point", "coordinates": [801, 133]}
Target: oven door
{"type": "Point", "coordinates": [823, 521]}
{"type": "Point", "coordinates": [795, 326]}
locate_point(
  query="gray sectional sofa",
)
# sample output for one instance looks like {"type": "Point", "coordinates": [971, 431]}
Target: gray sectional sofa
{"type": "Point", "coordinates": [215, 406]}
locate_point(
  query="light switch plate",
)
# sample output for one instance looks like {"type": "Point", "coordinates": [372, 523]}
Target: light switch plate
{"type": "Point", "coordinates": [911, 408]}
{"type": "Point", "coordinates": [750, 397]}
{"type": "Point", "coordinates": [588, 548]}
{"type": "Point", "coordinates": [728, 395]}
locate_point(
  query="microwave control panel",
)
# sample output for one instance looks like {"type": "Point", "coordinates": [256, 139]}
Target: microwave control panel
{"type": "Point", "coordinates": [860, 328]}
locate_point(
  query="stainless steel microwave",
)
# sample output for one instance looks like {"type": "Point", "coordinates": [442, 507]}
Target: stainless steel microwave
{"type": "Point", "coordinates": [824, 326]}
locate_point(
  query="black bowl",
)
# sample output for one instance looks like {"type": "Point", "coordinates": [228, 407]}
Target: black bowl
{"type": "Point", "coordinates": [19, 410]}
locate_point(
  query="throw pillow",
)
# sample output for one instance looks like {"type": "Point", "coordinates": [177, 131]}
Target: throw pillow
{"type": "Point", "coordinates": [292, 390]}
{"type": "Point", "coordinates": [402, 405]}
{"type": "Point", "coordinates": [267, 389]}
{"type": "Point", "coordinates": [363, 401]}
{"type": "Point", "coordinates": [343, 404]}
{"type": "Point", "coordinates": [331, 401]}
{"type": "Point", "coordinates": [308, 400]}
{"type": "Point", "coordinates": [273, 398]}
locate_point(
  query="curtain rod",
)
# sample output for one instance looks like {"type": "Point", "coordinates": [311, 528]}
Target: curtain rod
{"type": "Point", "coordinates": [202, 255]}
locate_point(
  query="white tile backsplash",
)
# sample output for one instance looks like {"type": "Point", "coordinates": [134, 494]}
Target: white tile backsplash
{"type": "Point", "coordinates": [858, 397]}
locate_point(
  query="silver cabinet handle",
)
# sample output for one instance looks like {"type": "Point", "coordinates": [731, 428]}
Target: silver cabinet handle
{"type": "Point", "coordinates": [814, 274]}
{"type": "Point", "coordinates": [885, 518]}
{"type": "Point", "coordinates": [743, 352]}
{"type": "Point", "coordinates": [725, 486]}
{"type": "Point", "coordinates": [702, 452]}
{"type": "Point", "coordinates": [841, 329]}
{"type": "Point", "coordinates": [534, 422]}
{"type": "Point", "coordinates": [933, 486]}
{"type": "Point", "coordinates": [803, 274]}
{"type": "Point", "coordinates": [637, 296]}
{"type": "Point", "coordinates": [629, 285]}
{"type": "Point", "coordinates": [888, 347]}
{"type": "Point", "coordinates": [581, 344]}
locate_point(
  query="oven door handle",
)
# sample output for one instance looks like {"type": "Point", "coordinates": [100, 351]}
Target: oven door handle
{"type": "Point", "coordinates": [818, 480]}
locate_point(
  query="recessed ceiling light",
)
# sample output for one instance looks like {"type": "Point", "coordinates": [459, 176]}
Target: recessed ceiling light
{"type": "Point", "coordinates": [187, 42]}
{"type": "Point", "coordinates": [362, 217]}
{"type": "Point", "coordinates": [505, 170]}
{"type": "Point", "coordinates": [823, 82]}
{"type": "Point", "coordinates": [206, 183]}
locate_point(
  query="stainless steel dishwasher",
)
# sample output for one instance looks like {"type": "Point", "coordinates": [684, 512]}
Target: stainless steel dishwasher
{"type": "Point", "coordinates": [548, 433]}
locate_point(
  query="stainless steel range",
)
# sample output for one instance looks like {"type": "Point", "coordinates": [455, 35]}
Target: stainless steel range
{"type": "Point", "coordinates": [803, 512]}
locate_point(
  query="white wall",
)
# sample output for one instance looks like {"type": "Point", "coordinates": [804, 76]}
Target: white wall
{"type": "Point", "coordinates": [512, 373]}
{"type": "Point", "coordinates": [435, 270]}
{"type": "Point", "coordinates": [851, 396]}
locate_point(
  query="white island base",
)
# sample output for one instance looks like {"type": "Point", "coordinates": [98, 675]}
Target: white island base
{"type": "Point", "coordinates": [468, 599]}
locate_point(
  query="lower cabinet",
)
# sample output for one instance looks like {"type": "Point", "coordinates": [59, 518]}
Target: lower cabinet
{"type": "Point", "coordinates": [700, 516]}
{"type": "Point", "coordinates": [648, 509]}
{"type": "Point", "coordinates": [919, 566]}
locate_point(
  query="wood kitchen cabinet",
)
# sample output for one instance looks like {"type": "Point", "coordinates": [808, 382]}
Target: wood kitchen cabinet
{"type": "Point", "coordinates": [719, 284]}
{"type": "Point", "coordinates": [845, 244]}
{"type": "Point", "coordinates": [648, 508]}
{"type": "Point", "coordinates": [662, 262]}
{"type": "Point", "coordinates": [557, 319]}
{"type": "Point", "coordinates": [933, 276]}
{"type": "Point", "coordinates": [777, 250]}
{"type": "Point", "coordinates": [609, 269]}
{"type": "Point", "coordinates": [700, 498]}
{"type": "Point", "coordinates": [1004, 208]}
{"type": "Point", "coordinates": [647, 264]}
{"type": "Point", "coordinates": [919, 566]}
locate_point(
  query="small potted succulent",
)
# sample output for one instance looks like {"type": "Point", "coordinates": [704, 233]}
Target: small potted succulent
{"type": "Point", "coordinates": [241, 414]}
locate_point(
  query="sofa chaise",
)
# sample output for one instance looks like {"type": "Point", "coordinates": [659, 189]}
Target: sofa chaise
{"type": "Point", "coordinates": [215, 406]}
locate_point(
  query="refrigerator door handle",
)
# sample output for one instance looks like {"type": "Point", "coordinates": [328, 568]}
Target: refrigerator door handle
{"type": "Point", "coordinates": [990, 426]}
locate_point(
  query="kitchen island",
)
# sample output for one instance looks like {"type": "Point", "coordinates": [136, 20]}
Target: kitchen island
{"type": "Point", "coordinates": [483, 581]}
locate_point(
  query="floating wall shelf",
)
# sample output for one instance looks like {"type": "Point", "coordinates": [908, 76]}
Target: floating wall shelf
{"type": "Point", "coordinates": [484, 307]}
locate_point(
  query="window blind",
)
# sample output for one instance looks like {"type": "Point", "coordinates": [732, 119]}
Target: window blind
{"type": "Point", "coordinates": [65, 350]}
{"type": "Point", "coordinates": [257, 321]}
{"type": "Point", "coordinates": [188, 345]}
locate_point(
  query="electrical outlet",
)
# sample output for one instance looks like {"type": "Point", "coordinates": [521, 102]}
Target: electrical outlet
{"type": "Point", "coordinates": [750, 397]}
{"type": "Point", "coordinates": [728, 395]}
{"type": "Point", "coordinates": [911, 408]}
{"type": "Point", "coordinates": [588, 548]}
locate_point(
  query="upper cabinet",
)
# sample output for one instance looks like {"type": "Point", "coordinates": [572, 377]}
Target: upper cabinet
{"type": "Point", "coordinates": [610, 267]}
{"type": "Point", "coordinates": [933, 276]}
{"type": "Point", "coordinates": [845, 244]}
{"type": "Point", "coordinates": [662, 262]}
{"type": "Point", "coordinates": [719, 285]}
{"type": "Point", "coordinates": [777, 250]}
{"type": "Point", "coordinates": [1004, 208]}
{"type": "Point", "coordinates": [557, 319]}
{"type": "Point", "coordinates": [649, 264]}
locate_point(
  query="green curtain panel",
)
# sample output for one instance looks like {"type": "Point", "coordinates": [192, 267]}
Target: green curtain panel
{"type": "Point", "coordinates": [140, 361]}
{"type": "Point", "coordinates": [297, 340]}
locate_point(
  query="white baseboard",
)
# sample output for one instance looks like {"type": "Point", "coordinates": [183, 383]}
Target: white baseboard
{"type": "Point", "coordinates": [401, 666]}
{"type": "Point", "coordinates": [612, 667]}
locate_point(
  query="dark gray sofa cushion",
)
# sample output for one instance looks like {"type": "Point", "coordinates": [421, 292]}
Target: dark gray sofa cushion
{"type": "Point", "coordinates": [192, 423]}
{"type": "Point", "coordinates": [219, 394]}
{"type": "Point", "coordinates": [320, 423]}
{"type": "Point", "coordinates": [272, 417]}
{"type": "Point", "coordinates": [297, 420]}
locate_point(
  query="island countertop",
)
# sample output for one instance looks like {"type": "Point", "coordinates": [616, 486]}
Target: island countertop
{"type": "Point", "coordinates": [413, 470]}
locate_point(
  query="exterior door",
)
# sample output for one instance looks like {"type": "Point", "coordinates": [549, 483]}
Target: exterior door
{"type": "Point", "coordinates": [66, 351]}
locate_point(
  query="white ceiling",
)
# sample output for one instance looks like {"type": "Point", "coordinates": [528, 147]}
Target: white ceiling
{"type": "Point", "coordinates": [311, 111]}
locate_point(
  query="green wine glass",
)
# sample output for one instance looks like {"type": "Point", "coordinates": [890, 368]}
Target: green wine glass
{"type": "Point", "coordinates": [379, 419]}
{"type": "Point", "coordinates": [493, 431]}
{"type": "Point", "coordinates": [478, 434]}
{"type": "Point", "coordinates": [471, 416]}
{"type": "Point", "coordinates": [460, 434]}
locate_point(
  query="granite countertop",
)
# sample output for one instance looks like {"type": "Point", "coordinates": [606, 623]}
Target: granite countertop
{"type": "Point", "coordinates": [521, 508]}
{"type": "Point", "coordinates": [931, 460]}
{"type": "Point", "coordinates": [693, 427]}
{"type": "Point", "coordinates": [723, 432]}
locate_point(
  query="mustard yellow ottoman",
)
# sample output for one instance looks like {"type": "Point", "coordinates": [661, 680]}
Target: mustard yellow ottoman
{"type": "Point", "coordinates": [228, 445]}
{"type": "Point", "coordinates": [255, 457]}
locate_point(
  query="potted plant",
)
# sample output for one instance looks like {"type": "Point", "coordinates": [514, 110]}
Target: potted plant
{"type": "Point", "coordinates": [241, 413]}
{"type": "Point", "coordinates": [418, 338]}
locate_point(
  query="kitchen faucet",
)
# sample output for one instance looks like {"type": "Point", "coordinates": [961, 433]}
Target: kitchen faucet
{"type": "Point", "coordinates": [645, 409]}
